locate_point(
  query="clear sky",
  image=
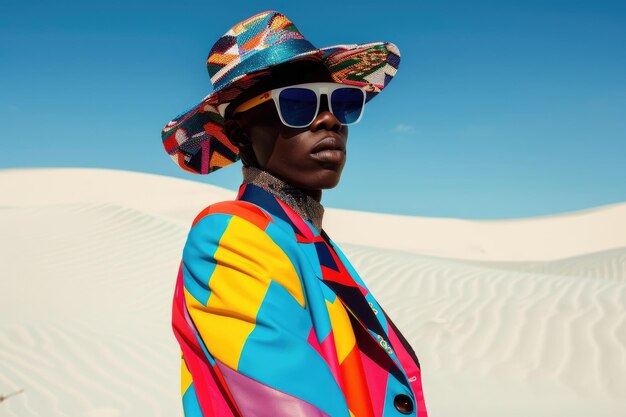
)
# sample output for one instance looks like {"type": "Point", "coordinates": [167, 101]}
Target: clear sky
{"type": "Point", "coordinates": [499, 109]}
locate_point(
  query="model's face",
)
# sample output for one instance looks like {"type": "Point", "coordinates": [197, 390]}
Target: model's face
{"type": "Point", "coordinates": [290, 153]}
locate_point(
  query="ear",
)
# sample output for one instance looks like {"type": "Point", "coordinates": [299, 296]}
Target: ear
{"type": "Point", "coordinates": [235, 133]}
{"type": "Point", "coordinates": [238, 137]}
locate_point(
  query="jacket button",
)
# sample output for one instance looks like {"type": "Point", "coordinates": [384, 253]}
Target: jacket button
{"type": "Point", "coordinates": [403, 404]}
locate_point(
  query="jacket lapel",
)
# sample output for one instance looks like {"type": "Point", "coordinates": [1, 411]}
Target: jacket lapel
{"type": "Point", "coordinates": [372, 338]}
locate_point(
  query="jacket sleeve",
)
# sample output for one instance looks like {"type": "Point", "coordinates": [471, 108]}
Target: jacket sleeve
{"type": "Point", "coordinates": [246, 301]}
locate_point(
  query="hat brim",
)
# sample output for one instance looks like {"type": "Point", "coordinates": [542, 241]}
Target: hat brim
{"type": "Point", "coordinates": [195, 139]}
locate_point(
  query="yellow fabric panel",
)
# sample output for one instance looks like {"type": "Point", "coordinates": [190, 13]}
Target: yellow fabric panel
{"type": "Point", "coordinates": [342, 328]}
{"type": "Point", "coordinates": [247, 261]}
{"type": "Point", "coordinates": [185, 377]}
{"type": "Point", "coordinates": [249, 248]}
{"type": "Point", "coordinates": [224, 324]}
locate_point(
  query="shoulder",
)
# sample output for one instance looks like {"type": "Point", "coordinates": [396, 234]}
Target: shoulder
{"type": "Point", "coordinates": [235, 222]}
{"type": "Point", "coordinates": [238, 208]}
{"type": "Point", "coordinates": [240, 236]}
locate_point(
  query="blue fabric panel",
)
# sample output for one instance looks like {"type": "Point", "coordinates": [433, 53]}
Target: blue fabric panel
{"type": "Point", "coordinates": [198, 254]}
{"type": "Point", "coordinates": [191, 407]}
{"type": "Point", "coordinates": [396, 388]}
{"type": "Point", "coordinates": [277, 353]}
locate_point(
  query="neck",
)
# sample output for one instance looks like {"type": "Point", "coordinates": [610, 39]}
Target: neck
{"type": "Point", "coordinates": [314, 194]}
{"type": "Point", "coordinates": [304, 202]}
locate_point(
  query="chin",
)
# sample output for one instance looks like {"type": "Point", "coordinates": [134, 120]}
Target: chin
{"type": "Point", "coordinates": [324, 180]}
{"type": "Point", "coordinates": [331, 184]}
{"type": "Point", "coordinates": [316, 179]}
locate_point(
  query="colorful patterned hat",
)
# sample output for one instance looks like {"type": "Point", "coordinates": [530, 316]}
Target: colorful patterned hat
{"type": "Point", "coordinates": [196, 140]}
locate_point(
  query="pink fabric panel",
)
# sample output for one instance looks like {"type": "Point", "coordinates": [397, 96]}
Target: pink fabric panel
{"type": "Point", "coordinates": [211, 399]}
{"type": "Point", "coordinates": [259, 400]}
{"type": "Point", "coordinates": [377, 382]}
{"type": "Point", "coordinates": [411, 369]}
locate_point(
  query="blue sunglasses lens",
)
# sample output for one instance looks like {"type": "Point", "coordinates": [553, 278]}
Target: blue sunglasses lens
{"type": "Point", "coordinates": [298, 106]}
{"type": "Point", "coordinates": [347, 104]}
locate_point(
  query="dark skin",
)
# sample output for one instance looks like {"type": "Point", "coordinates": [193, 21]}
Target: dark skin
{"type": "Point", "coordinates": [285, 152]}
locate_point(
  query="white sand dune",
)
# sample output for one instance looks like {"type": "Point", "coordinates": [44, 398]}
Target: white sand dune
{"type": "Point", "coordinates": [530, 239]}
{"type": "Point", "coordinates": [509, 318]}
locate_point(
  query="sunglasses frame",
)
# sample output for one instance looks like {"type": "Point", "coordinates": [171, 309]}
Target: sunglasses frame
{"type": "Point", "coordinates": [318, 88]}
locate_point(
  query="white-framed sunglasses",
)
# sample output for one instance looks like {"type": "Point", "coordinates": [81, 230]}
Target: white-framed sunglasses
{"type": "Point", "coordinates": [297, 105]}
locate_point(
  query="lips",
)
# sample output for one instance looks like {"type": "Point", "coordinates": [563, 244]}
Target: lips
{"type": "Point", "coordinates": [329, 143]}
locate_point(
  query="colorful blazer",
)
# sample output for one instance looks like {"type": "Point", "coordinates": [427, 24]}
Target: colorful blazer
{"type": "Point", "coordinates": [273, 321]}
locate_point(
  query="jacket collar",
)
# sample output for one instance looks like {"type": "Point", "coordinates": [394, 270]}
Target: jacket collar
{"type": "Point", "coordinates": [367, 326]}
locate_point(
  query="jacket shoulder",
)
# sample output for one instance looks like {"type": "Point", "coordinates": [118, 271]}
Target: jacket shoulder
{"type": "Point", "coordinates": [244, 209]}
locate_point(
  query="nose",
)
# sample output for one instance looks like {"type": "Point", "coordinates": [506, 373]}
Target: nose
{"type": "Point", "coordinates": [325, 119]}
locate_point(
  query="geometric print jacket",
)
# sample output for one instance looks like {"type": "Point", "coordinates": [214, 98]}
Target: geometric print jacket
{"type": "Point", "coordinates": [273, 321]}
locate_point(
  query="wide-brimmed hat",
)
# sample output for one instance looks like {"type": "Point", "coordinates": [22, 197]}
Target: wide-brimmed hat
{"type": "Point", "coordinates": [196, 140]}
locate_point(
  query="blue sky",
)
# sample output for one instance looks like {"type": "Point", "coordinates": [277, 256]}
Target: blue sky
{"type": "Point", "coordinates": [500, 109]}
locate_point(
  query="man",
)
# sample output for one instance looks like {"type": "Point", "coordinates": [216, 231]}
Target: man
{"type": "Point", "coordinates": [271, 317]}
